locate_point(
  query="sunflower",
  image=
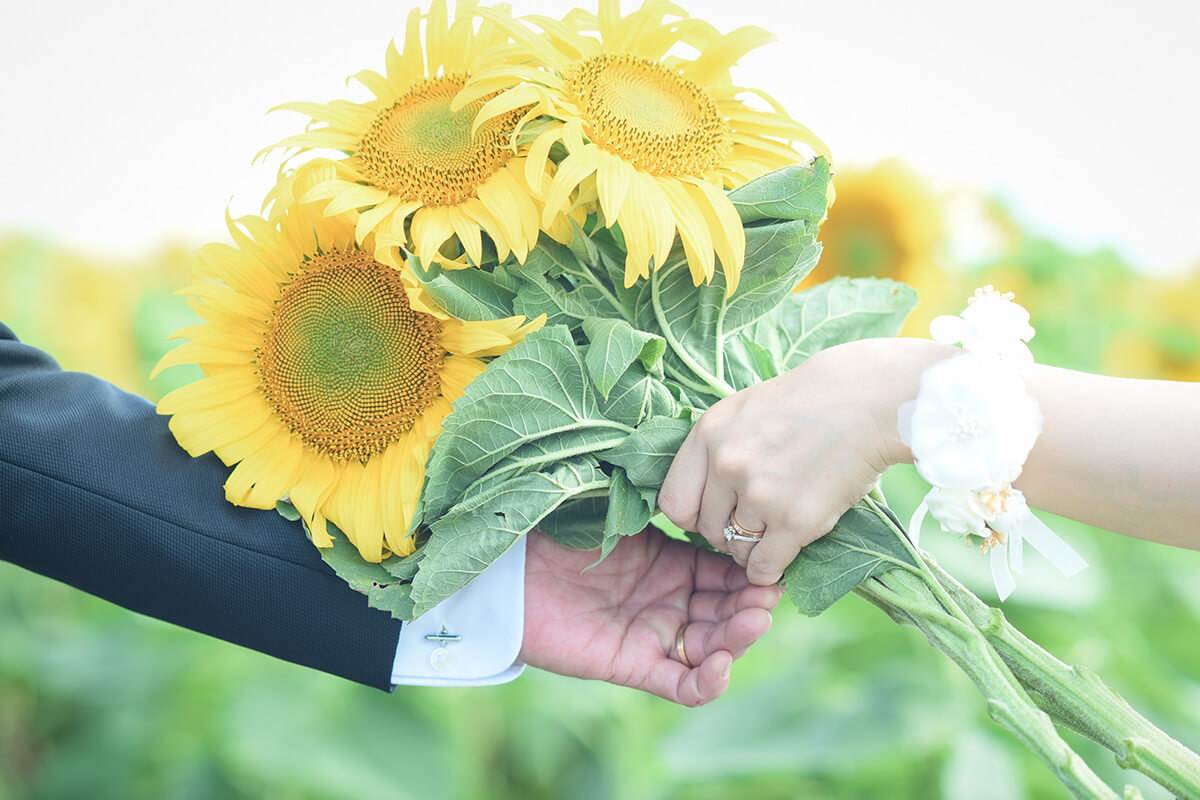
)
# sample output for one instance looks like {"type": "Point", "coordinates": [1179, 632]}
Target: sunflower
{"type": "Point", "coordinates": [327, 375]}
{"type": "Point", "coordinates": [655, 138]}
{"type": "Point", "coordinates": [886, 224]}
{"type": "Point", "coordinates": [408, 155]}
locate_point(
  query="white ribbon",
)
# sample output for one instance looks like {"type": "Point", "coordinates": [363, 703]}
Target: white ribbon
{"type": "Point", "coordinates": [1008, 558]}
{"type": "Point", "coordinates": [915, 523]}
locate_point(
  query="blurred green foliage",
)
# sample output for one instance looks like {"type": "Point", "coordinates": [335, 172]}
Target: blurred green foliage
{"type": "Point", "coordinates": [100, 703]}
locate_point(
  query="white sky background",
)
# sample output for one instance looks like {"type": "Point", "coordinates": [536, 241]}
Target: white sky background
{"type": "Point", "coordinates": [128, 124]}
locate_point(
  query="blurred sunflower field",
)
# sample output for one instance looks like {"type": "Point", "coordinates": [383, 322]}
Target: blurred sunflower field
{"type": "Point", "coordinates": [100, 703]}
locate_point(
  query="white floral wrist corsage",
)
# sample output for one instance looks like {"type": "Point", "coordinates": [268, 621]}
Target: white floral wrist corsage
{"type": "Point", "coordinates": [970, 430]}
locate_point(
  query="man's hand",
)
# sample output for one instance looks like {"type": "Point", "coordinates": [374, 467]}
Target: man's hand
{"type": "Point", "coordinates": [617, 622]}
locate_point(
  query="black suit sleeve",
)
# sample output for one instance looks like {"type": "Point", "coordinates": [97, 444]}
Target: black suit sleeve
{"type": "Point", "coordinates": [96, 493]}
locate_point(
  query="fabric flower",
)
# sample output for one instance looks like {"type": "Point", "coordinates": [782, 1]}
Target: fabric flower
{"type": "Point", "coordinates": [958, 510]}
{"type": "Point", "coordinates": [972, 425]}
{"type": "Point", "coordinates": [991, 325]}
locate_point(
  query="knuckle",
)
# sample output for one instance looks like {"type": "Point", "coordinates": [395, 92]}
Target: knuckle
{"type": "Point", "coordinates": [709, 423]}
{"type": "Point", "coordinates": [730, 462]}
{"type": "Point", "coordinates": [670, 505]}
{"type": "Point", "coordinates": [797, 517]}
{"type": "Point", "coordinates": [759, 493]}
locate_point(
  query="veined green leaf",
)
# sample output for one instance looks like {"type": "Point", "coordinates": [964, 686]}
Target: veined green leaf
{"type": "Point", "coordinates": [647, 453]}
{"type": "Point", "coordinates": [384, 590]}
{"type": "Point", "coordinates": [543, 453]}
{"type": "Point", "coordinates": [469, 294]}
{"type": "Point", "coordinates": [629, 511]}
{"type": "Point", "coordinates": [535, 390]}
{"type": "Point", "coordinates": [555, 283]}
{"type": "Point", "coordinates": [473, 534]}
{"type": "Point", "coordinates": [577, 524]}
{"type": "Point", "coordinates": [793, 192]}
{"type": "Point", "coordinates": [830, 313]}
{"type": "Point", "coordinates": [613, 346]}
{"type": "Point", "coordinates": [860, 546]}
{"type": "Point", "coordinates": [638, 396]}
{"type": "Point", "coordinates": [747, 363]}
{"type": "Point", "coordinates": [780, 251]}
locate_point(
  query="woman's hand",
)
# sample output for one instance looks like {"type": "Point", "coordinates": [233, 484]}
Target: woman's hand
{"type": "Point", "coordinates": [789, 456]}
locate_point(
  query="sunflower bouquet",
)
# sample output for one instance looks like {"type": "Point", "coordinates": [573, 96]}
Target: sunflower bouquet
{"type": "Point", "coordinates": [498, 294]}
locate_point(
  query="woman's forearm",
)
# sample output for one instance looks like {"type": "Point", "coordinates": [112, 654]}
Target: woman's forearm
{"type": "Point", "coordinates": [1118, 453]}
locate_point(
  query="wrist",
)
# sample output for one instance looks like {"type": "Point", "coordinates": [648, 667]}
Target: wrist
{"type": "Point", "coordinates": [897, 366]}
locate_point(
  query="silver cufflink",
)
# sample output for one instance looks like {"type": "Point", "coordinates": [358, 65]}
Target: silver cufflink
{"type": "Point", "coordinates": [440, 658]}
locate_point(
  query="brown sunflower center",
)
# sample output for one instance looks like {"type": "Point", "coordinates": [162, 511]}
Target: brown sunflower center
{"type": "Point", "coordinates": [652, 117]}
{"type": "Point", "coordinates": [422, 151]}
{"type": "Point", "coordinates": [345, 360]}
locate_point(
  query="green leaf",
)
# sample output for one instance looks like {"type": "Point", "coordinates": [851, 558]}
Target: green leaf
{"type": "Point", "coordinates": [556, 283]}
{"type": "Point", "coordinates": [473, 534]}
{"type": "Point", "coordinates": [629, 511]}
{"type": "Point", "coordinates": [577, 524]}
{"type": "Point", "coordinates": [793, 192]}
{"type": "Point", "coordinates": [780, 251]}
{"type": "Point", "coordinates": [469, 294]}
{"type": "Point", "coordinates": [343, 557]}
{"type": "Point", "coordinates": [403, 567]}
{"type": "Point", "coordinates": [395, 598]}
{"type": "Point", "coordinates": [613, 346]}
{"type": "Point", "coordinates": [638, 396]}
{"type": "Point", "coordinates": [535, 390]}
{"type": "Point", "coordinates": [646, 453]}
{"type": "Point", "coordinates": [747, 363]}
{"type": "Point", "coordinates": [561, 304]}
{"type": "Point", "coordinates": [544, 453]}
{"type": "Point", "coordinates": [286, 510]}
{"type": "Point", "coordinates": [859, 547]}
{"type": "Point", "coordinates": [830, 313]}
{"type": "Point", "coordinates": [384, 591]}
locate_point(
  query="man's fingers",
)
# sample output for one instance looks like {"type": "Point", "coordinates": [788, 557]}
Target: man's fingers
{"type": "Point", "coordinates": [679, 497]}
{"type": "Point", "coordinates": [712, 677]}
{"type": "Point", "coordinates": [673, 681]}
{"type": "Point", "coordinates": [734, 634]}
{"type": "Point", "coordinates": [716, 573]}
{"type": "Point", "coordinates": [716, 606]}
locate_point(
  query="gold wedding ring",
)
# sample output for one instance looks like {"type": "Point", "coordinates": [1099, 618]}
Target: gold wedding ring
{"type": "Point", "coordinates": [679, 646]}
{"type": "Point", "coordinates": [734, 532]}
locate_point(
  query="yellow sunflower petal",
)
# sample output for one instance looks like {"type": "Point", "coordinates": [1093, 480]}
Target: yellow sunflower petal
{"type": "Point", "coordinates": [278, 476]}
{"type": "Point", "coordinates": [457, 374]}
{"type": "Point", "coordinates": [571, 172]}
{"type": "Point", "coordinates": [538, 158]}
{"type": "Point", "coordinates": [614, 179]}
{"type": "Point", "coordinates": [693, 233]}
{"type": "Point", "coordinates": [467, 231]}
{"type": "Point", "coordinates": [209, 392]}
{"type": "Point", "coordinates": [430, 229]}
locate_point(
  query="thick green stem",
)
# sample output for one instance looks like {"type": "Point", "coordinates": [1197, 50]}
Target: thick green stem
{"type": "Point", "coordinates": [1078, 698]}
{"type": "Point", "coordinates": [905, 595]}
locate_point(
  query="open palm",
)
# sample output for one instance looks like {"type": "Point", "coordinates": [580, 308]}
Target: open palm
{"type": "Point", "coordinates": [618, 621]}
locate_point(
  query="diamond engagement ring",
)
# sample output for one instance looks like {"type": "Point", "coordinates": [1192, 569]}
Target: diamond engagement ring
{"type": "Point", "coordinates": [734, 532]}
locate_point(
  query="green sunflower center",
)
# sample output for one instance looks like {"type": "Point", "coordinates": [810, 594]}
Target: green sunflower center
{"type": "Point", "coordinates": [345, 360]}
{"type": "Point", "coordinates": [420, 150]}
{"type": "Point", "coordinates": [652, 117]}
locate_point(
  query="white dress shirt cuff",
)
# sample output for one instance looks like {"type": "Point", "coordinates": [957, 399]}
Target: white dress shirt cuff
{"type": "Point", "coordinates": [487, 616]}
